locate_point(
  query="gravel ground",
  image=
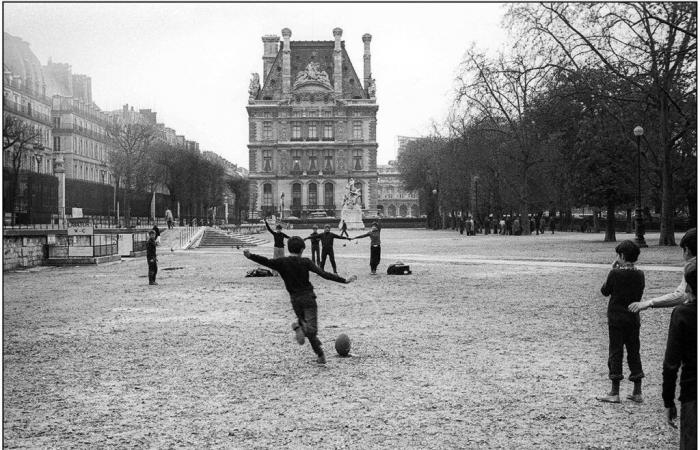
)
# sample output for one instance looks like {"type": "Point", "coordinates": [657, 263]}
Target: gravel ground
{"type": "Point", "coordinates": [460, 354]}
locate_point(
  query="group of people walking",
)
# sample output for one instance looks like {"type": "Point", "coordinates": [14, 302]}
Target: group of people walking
{"type": "Point", "coordinates": [505, 226]}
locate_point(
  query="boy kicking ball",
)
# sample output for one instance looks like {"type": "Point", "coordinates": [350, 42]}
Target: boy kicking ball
{"type": "Point", "coordinates": [294, 271]}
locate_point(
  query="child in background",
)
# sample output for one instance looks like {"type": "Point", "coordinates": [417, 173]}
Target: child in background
{"type": "Point", "coordinates": [279, 237]}
{"type": "Point", "coordinates": [294, 271]}
{"type": "Point", "coordinates": [624, 285]}
{"type": "Point", "coordinates": [375, 249]}
{"type": "Point", "coordinates": [315, 238]}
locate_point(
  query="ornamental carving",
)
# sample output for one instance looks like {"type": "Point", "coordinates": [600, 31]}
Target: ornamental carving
{"type": "Point", "coordinates": [312, 73]}
{"type": "Point", "coordinates": [254, 87]}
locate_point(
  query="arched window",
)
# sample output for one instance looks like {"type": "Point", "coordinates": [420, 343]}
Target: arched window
{"type": "Point", "coordinates": [414, 210]}
{"type": "Point", "coordinates": [403, 210]}
{"type": "Point", "coordinates": [380, 210]}
{"type": "Point", "coordinates": [328, 196]}
{"type": "Point", "coordinates": [313, 195]}
{"type": "Point", "coordinates": [392, 211]}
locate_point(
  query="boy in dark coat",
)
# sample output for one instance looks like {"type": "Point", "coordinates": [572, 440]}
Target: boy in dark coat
{"type": "Point", "coordinates": [279, 237]}
{"type": "Point", "coordinates": [327, 247]}
{"type": "Point", "coordinates": [682, 352]}
{"type": "Point", "coordinates": [151, 257]}
{"type": "Point", "coordinates": [294, 271]}
{"type": "Point", "coordinates": [375, 249]}
{"type": "Point", "coordinates": [624, 285]}
{"type": "Point", "coordinates": [315, 238]}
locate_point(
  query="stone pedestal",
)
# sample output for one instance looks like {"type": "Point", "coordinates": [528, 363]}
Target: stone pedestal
{"type": "Point", "coordinates": [352, 217]}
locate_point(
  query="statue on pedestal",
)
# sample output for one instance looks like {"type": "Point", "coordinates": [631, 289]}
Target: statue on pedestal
{"type": "Point", "coordinates": [352, 212]}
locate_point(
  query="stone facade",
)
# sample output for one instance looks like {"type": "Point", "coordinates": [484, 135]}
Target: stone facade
{"type": "Point", "coordinates": [393, 200]}
{"type": "Point", "coordinates": [312, 126]}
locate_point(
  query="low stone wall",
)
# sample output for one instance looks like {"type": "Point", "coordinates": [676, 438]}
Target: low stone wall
{"type": "Point", "coordinates": [23, 251]}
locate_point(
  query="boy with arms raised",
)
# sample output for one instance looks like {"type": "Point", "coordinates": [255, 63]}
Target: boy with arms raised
{"type": "Point", "coordinates": [294, 271]}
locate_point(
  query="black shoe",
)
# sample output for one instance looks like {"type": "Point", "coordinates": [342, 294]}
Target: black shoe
{"type": "Point", "coordinates": [321, 359]}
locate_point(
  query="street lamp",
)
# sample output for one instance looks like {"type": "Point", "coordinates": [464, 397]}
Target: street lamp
{"type": "Point", "coordinates": [639, 220]}
{"type": "Point", "coordinates": [436, 210]}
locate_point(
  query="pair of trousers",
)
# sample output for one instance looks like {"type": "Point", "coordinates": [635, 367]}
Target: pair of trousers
{"type": "Point", "coordinates": [689, 425]}
{"type": "Point", "coordinates": [306, 310]}
{"type": "Point", "coordinates": [624, 333]}
{"type": "Point", "coordinates": [152, 271]}
{"type": "Point", "coordinates": [375, 254]}
{"type": "Point", "coordinates": [328, 253]}
{"type": "Point", "coordinates": [316, 255]}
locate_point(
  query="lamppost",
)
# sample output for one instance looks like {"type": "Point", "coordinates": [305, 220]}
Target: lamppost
{"type": "Point", "coordinates": [436, 210]}
{"type": "Point", "coordinates": [639, 220]}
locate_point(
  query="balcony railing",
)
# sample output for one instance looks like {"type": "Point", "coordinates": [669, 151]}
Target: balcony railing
{"type": "Point", "coordinates": [30, 92]}
{"type": "Point", "coordinates": [24, 111]}
{"type": "Point", "coordinates": [83, 132]}
{"type": "Point", "coordinates": [298, 211]}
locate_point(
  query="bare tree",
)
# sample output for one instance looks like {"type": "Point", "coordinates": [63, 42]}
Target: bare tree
{"type": "Point", "coordinates": [651, 46]}
{"type": "Point", "coordinates": [18, 139]}
{"type": "Point", "coordinates": [130, 144]}
{"type": "Point", "coordinates": [498, 94]}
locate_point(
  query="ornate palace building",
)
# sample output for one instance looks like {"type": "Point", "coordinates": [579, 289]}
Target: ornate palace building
{"type": "Point", "coordinates": [393, 200]}
{"type": "Point", "coordinates": [312, 126]}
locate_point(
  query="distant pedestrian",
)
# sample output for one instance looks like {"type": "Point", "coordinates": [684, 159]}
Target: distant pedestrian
{"type": "Point", "coordinates": [315, 238]}
{"type": "Point", "coordinates": [327, 238]}
{"type": "Point", "coordinates": [502, 226]}
{"type": "Point", "coordinates": [344, 229]}
{"type": "Point", "coordinates": [375, 249]}
{"type": "Point", "coordinates": [552, 224]}
{"type": "Point", "coordinates": [462, 225]}
{"type": "Point", "coordinates": [682, 354]}
{"type": "Point", "coordinates": [279, 237]}
{"type": "Point", "coordinates": [516, 227]}
{"type": "Point", "coordinates": [151, 257]}
{"type": "Point", "coordinates": [468, 226]}
{"type": "Point", "coordinates": [169, 218]}
{"type": "Point", "coordinates": [624, 285]}
{"type": "Point", "coordinates": [509, 225]}
{"type": "Point", "coordinates": [542, 226]}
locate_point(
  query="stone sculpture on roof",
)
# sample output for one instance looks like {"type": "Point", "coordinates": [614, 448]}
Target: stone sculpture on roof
{"type": "Point", "coordinates": [312, 73]}
{"type": "Point", "coordinates": [254, 87]}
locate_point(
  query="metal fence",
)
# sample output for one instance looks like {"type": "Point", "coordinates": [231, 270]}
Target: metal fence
{"type": "Point", "coordinates": [101, 245]}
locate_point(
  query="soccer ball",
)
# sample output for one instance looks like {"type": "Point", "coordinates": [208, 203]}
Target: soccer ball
{"type": "Point", "coordinates": [342, 345]}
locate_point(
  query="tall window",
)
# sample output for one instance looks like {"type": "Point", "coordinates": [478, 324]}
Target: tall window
{"type": "Point", "coordinates": [267, 160]}
{"type": "Point", "coordinates": [328, 200]}
{"type": "Point", "coordinates": [57, 143]}
{"type": "Point", "coordinates": [328, 131]}
{"type": "Point", "coordinates": [313, 135]}
{"type": "Point", "coordinates": [357, 129]}
{"type": "Point", "coordinates": [313, 163]}
{"type": "Point", "coordinates": [357, 160]}
{"type": "Point", "coordinates": [328, 161]}
{"type": "Point", "coordinates": [296, 160]}
{"type": "Point", "coordinates": [313, 194]}
{"type": "Point", "coordinates": [267, 130]}
{"type": "Point", "coordinates": [296, 195]}
{"type": "Point", "coordinates": [296, 131]}
{"type": "Point", "coordinates": [267, 194]}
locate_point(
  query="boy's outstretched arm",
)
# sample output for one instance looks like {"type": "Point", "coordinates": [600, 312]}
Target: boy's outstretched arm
{"type": "Point", "coordinates": [271, 263]}
{"type": "Point", "coordinates": [268, 227]}
{"type": "Point", "coordinates": [361, 236]}
{"type": "Point", "coordinates": [327, 275]}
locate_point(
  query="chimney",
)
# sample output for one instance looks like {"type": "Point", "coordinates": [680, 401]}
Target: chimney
{"type": "Point", "coordinates": [271, 44]}
{"type": "Point", "coordinates": [337, 63]}
{"type": "Point", "coordinates": [367, 38]}
{"type": "Point", "coordinates": [286, 62]}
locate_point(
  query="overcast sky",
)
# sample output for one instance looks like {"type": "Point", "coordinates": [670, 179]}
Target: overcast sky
{"type": "Point", "coordinates": [191, 63]}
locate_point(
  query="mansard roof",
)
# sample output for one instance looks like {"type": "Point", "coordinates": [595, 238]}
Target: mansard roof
{"type": "Point", "coordinates": [302, 53]}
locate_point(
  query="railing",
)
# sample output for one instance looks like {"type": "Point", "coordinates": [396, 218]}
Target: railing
{"type": "Point", "coordinates": [23, 110]}
{"type": "Point", "coordinates": [83, 131]}
{"type": "Point", "coordinates": [187, 234]}
{"type": "Point", "coordinates": [31, 92]}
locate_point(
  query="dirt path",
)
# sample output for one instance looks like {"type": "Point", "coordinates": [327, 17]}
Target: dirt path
{"type": "Point", "coordinates": [473, 355]}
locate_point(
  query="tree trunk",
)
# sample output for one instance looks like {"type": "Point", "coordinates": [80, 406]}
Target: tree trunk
{"type": "Point", "coordinates": [127, 202]}
{"type": "Point", "coordinates": [629, 220]}
{"type": "Point", "coordinates": [523, 209]}
{"type": "Point", "coordinates": [666, 236]}
{"type": "Point", "coordinates": [610, 223]}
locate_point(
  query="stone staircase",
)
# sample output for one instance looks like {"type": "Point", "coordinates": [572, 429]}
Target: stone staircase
{"type": "Point", "coordinates": [214, 238]}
